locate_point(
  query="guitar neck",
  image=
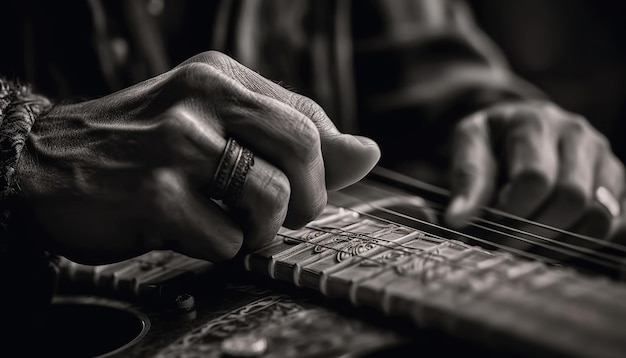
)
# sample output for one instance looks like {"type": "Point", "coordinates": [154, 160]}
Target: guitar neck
{"type": "Point", "coordinates": [376, 246]}
{"type": "Point", "coordinates": [356, 254]}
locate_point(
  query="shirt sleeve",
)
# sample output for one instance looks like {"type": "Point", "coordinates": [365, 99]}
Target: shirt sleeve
{"type": "Point", "coordinates": [420, 66]}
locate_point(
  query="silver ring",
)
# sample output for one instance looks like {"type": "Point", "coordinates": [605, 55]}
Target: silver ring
{"type": "Point", "coordinates": [607, 200]}
{"type": "Point", "coordinates": [231, 172]}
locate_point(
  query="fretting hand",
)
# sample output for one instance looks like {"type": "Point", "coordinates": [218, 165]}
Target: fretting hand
{"type": "Point", "coordinates": [115, 177]}
{"type": "Point", "coordinates": [554, 167]}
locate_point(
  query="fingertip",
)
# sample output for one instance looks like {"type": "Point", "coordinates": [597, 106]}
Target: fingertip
{"type": "Point", "coordinates": [348, 159]}
{"type": "Point", "coordinates": [364, 141]}
{"type": "Point", "coordinates": [458, 212]}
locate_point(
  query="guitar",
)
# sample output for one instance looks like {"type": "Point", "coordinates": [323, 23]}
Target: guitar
{"type": "Point", "coordinates": [375, 274]}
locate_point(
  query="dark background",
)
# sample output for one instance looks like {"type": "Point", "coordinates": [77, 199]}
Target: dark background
{"type": "Point", "coordinates": [574, 50]}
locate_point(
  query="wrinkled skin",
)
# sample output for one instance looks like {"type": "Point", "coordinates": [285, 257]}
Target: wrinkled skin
{"type": "Point", "coordinates": [550, 163]}
{"type": "Point", "coordinates": [118, 176]}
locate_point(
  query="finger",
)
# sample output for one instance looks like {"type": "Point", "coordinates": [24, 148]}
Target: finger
{"type": "Point", "coordinates": [573, 189]}
{"type": "Point", "coordinates": [473, 170]}
{"type": "Point", "coordinates": [347, 158]}
{"type": "Point", "coordinates": [261, 207]}
{"type": "Point", "coordinates": [287, 139]}
{"type": "Point", "coordinates": [263, 204]}
{"type": "Point", "coordinates": [192, 226]}
{"type": "Point", "coordinates": [603, 208]}
{"type": "Point", "coordinates": [530, 151]}
{"type": "Point", "coordinates": [269, 128]}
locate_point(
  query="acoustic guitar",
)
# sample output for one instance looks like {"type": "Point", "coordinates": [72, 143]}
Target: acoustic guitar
{"type": "Point", "coordinates": [377, 274]}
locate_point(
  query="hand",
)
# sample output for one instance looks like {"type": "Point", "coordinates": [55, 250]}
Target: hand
{"type": "Point", "coordinates": [551, 163]}
{"type": "Point", "coordinates": [118, 176]}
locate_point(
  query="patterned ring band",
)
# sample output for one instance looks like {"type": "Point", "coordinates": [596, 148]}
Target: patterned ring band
{"type": "Point", "coordinates": [231, 172]}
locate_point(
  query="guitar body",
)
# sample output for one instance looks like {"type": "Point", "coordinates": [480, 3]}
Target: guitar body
{"type": "Point", "coordinates": [374, 276]}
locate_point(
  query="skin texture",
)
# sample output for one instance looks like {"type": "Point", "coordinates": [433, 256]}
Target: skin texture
{"type": "Point", "coordinates": [118, 176]}
{"type": "Point", "coordinates": [537, 161]}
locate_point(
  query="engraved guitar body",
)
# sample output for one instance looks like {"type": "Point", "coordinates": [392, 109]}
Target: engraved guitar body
{"type": "Point", "coordinates": [374, 275]}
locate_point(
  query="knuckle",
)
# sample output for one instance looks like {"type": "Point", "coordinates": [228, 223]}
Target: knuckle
{"type": "Point", "coordinates": [191, 71]}
{"type": "Point", "coordinates": [603, 143]}
{"type": "Point", "coordinates": [198, 76]}
{"type": "Point", "coordinates": [225, 64]}
{"type": "Point", "coordinates": [576, 126]}
{"type": "Point", "coordinates": [528, 120]}
{"type": "Point", "coordinates": [309, 108]}
{"type": "Point", "coordinates": [215, 58]}
{"type": "Point", "coordinates": [471, 127]}
{"type": "Point", "coordinates": [307, 142]}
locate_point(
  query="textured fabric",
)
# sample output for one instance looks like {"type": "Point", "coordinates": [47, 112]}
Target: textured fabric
{"type": "Point", "coordinates": [27, 274]}
{"type": "Point", "coordinates": [399, 71]}
{"type": "Point", "coordinates": [19, 108]}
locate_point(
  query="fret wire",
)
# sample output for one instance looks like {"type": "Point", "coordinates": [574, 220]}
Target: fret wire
{"type": "Point", "coordinates": [579, 252]}
{"type": "Point", "coordinates": [406, 249]}
{"type": "Point", "coordinates": [396, 246]}
{"type": "Point", "coordinates": [166, 266]}
{"type": "Point", "coordinates": [570, 249]}
{"type": "Point", "coordinates": [452, 231]}
{"type": "Point", "coordinates": [404, 180]}
{"type": "Point", "coordinates": [503, 247]}
{"type": "Point", "coordinates": [438, 208]}
{"type": "Point", "coordinates": [409, 251]}
{"type": "Point", "coordinates": [562, 251]}
{"type": "Point", "coordinates": [601, 242]}
{"type": "Point", "coordinates": [598, 242]}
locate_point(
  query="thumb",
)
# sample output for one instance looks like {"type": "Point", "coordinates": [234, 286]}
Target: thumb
{"type": "Point", "coordinates": [347, 159]}
{"type": "Point", "coordinates": [473, 171]}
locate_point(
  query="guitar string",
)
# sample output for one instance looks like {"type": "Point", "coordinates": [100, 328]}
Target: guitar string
{"type": "Point", "coordinates": [471, 237]}
{"type": "Point", "coordinates": [422, 254]}
{"type": "Point", "coordinates": [619, 262]}
{"type": "Point", "coordinates": [572, 247]}
{"type": "Point", "coordinates": [597, 242]}
{"type": "Point", "coordinates": [581, 249]}
{"type": "Point", "coordinates": [454, 262]}
{"type": "Point", "coordinates": [434, 206]}
{"type": "Point", "coordinates": [404, 180]}
{"type": "Point", "coordinates": [572, 250]}
{"type": "Point", "coordinates": [428, 234]}
{"type": "Point", "coordinates": [411, 251]}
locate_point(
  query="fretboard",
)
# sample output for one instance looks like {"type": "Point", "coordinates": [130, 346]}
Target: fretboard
{"type": "Point", "coordinates": [376, 251]}
{"type": "Point", "coordinates": [493, 297]}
